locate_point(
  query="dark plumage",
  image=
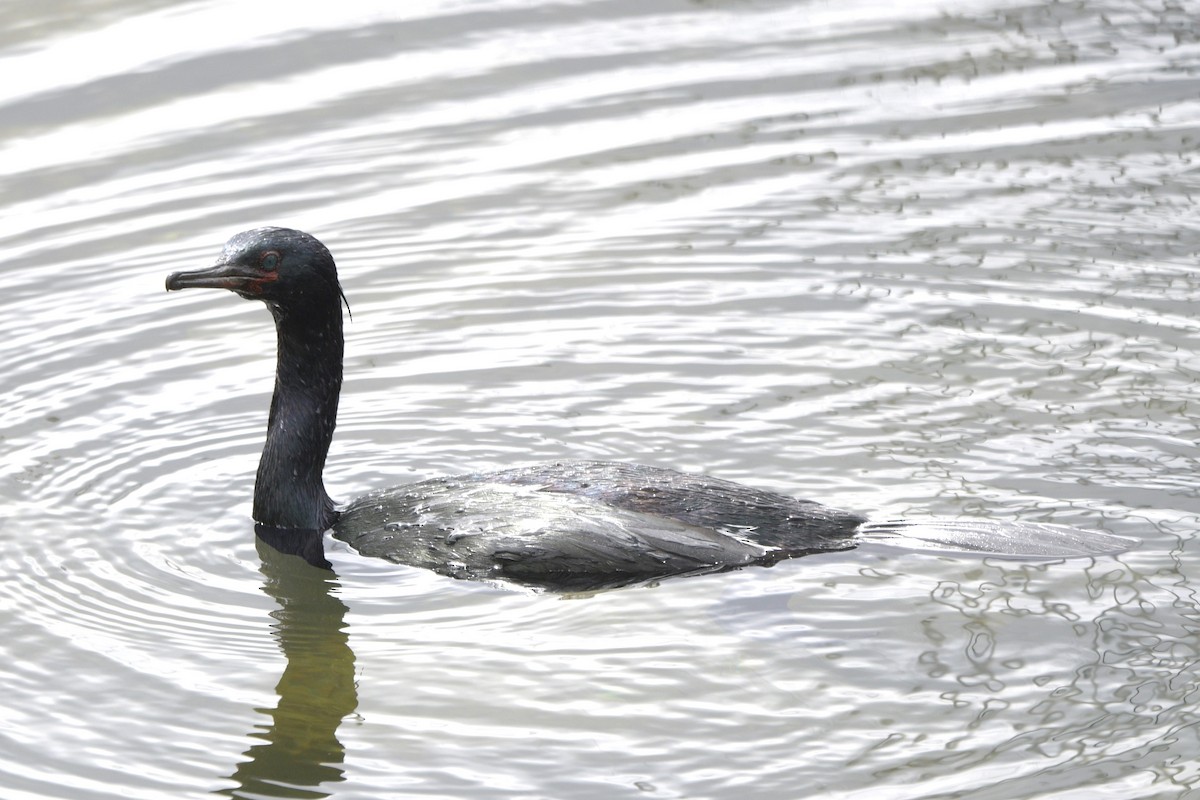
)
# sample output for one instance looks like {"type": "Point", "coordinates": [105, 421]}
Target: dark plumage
{"type": "Point", "coordinates": [564, 525]}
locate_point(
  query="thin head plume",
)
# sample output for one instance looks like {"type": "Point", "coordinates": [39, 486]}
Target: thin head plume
{"type": "Point", "coordinates": [345, 302]}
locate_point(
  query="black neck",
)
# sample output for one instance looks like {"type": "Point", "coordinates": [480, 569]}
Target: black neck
{"type": "Point", "coordinates": [289, 492]}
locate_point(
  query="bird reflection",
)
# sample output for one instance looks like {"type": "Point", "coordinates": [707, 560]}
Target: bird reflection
{"type": "Point", "coordinates": [300, 753]}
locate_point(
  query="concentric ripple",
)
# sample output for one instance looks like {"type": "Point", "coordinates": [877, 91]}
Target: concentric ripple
{"type": "Point", "coordinates": [918, 258]}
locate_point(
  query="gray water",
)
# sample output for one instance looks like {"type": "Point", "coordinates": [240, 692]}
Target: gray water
{"type": "Point", "coordinates": [918, 258]}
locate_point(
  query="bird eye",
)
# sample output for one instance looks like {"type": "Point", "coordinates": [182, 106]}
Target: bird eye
{"type": "Point", "coordinates": [269, 260]}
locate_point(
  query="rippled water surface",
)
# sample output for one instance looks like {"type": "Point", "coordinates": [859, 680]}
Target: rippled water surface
{"type": "Point", "coordinates": [906, 258]}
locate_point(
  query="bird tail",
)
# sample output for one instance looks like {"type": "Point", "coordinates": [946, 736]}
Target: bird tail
{"type": "Point", "coordinates": [1031, 540]}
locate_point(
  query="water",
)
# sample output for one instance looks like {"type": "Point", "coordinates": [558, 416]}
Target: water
{"type": "Point", "coordinates": [921, 258]}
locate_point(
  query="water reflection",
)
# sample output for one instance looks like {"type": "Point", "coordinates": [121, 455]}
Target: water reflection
{"type": "Point", "coordinates": [300, 752]}
{"type": "Point", "coordinates": [1121, 660]}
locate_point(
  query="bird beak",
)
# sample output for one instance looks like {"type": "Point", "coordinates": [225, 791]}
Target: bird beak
{"type": "Point", "coordinates": [235, 277]}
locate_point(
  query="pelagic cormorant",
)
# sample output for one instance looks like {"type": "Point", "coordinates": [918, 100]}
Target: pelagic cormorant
{"type": "Point", "coordinates": [567, 525]}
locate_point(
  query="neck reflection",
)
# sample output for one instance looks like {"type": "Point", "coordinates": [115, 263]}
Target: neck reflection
{"type": "Point", "coordinates": [300, 752]}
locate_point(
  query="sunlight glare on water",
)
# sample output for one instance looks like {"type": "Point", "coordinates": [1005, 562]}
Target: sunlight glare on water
{"type": "Point", "coordinates": [913, 259]}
